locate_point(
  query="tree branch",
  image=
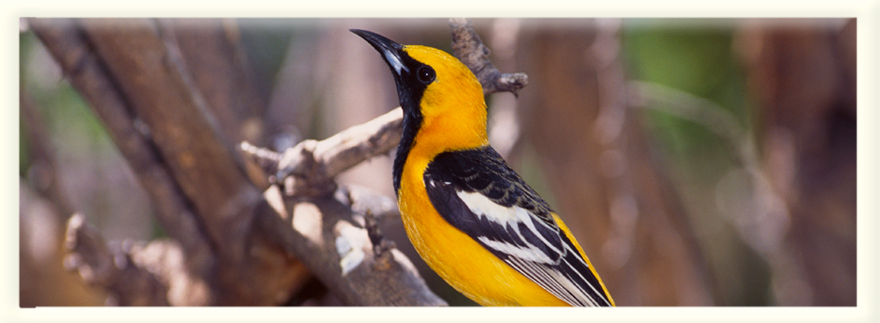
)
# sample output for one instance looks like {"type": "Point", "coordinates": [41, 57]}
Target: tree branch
{"type": "Point", "coordinates": [331, 232]}
{"type": "Point", "coordinates": [83, 68]}
{"type": "Point", "coordinates": [309, 167]}
{"type": "Point", "coordinates": [468, 48]}
{"type": "Point", "coordinates": [161, 124]}
{"type": "Point", "coordinates": [210, 51]}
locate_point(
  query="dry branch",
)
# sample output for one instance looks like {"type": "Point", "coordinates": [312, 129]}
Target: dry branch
{"type": "Point", "coordinates": [331, 232]}
{"type": "Point", "coordinates": [211, 52]}
{"type": "Point", "coordinates": [468, 48]}
{"type": "Point", "coordinates": [308, 168]}
{"type": "Point", "coordinates": [90, 78]}
{"type": "Point", "coordinates": [161, 125]}
{"type": "Point", "coordinates": [191, 144]}
{"type": "Point", "coordinates": [186, 135]}
{"type": "Point", "coordinates": [83, 68]}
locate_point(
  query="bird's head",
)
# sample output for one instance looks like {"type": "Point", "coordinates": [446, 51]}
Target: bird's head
{"type": "Point", "coordinates": [434, 87]}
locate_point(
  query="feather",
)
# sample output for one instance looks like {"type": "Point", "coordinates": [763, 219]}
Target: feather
{"type": "Point", "coordinates": [476, 192]}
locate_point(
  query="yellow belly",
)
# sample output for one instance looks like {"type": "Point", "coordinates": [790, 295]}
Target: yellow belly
{"type": "Point", "coordinates": [460, 260]}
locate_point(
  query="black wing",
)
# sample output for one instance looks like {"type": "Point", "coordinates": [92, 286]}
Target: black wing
{"type": "Point", "coordinates": [476, 192]}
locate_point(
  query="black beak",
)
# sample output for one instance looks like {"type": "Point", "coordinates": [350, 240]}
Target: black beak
{"type": "Point", "coordinates": [391, 51]}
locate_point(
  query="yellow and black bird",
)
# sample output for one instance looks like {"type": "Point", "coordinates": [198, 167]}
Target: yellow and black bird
{"type": "Point", "coordinates": [468, 214]}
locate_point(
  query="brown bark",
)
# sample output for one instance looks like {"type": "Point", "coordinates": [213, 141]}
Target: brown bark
{"type": "Point", "coordinates": [162, 126]}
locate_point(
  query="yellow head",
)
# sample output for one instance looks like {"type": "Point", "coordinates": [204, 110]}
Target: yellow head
{"type": "Point", "coordinates": [442, 101]}
{"type": "Point", "coordinates": [453, 103]}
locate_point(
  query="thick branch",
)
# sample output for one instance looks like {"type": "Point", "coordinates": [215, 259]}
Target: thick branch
{"type": "Point", "coordinates": [210, 51]}
{"type": "Point", "coordinates": [213, 55]}
{"type": "Point", "coordinates": [185, 133]}
{"type": "Point", "coordinates": [91, 79]}
{"type": "Point", "coordinates": [139, 87]}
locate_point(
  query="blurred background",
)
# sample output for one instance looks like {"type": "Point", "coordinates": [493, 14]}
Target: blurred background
{"type": "Point", "coordinates": [697, 161]}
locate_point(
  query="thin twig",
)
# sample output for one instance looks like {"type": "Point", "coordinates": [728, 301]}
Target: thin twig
{"type": "Point", "coordinates": [468, 48]}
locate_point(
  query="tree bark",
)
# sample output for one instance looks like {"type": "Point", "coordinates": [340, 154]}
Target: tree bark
{"type": "Point", "coordinates": [163, 127]}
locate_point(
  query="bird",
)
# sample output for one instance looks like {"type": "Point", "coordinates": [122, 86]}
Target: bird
{"type": "Point", "coordinates": [471, 217]}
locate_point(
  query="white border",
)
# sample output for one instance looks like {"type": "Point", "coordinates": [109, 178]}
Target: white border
{"type": "Point", "coordinates": [865, 11]}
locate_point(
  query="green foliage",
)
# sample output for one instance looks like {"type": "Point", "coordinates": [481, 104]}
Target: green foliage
{"type": "Point", "coordinates": [691, 57]}
{"type": "Point", "coordinates": [67, 116]}
{"type": "Point", "coordinates": [23, 151]}
{"type": "Point", "coordinates": [266, 42]}
{"type": "Point", "coordinates": [697, 57]}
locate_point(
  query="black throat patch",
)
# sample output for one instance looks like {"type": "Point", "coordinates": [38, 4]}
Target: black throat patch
{"type": "Point", "coordinates": [410, 91]}
{"type": "Point", "coordinates": [412, 122]}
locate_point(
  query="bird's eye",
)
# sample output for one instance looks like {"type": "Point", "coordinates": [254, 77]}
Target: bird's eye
{"type": "Point", "coordinates": [426, 74]}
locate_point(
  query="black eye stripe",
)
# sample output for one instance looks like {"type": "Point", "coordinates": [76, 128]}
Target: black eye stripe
{"type": "Point", "coordinates": [426, 74]}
